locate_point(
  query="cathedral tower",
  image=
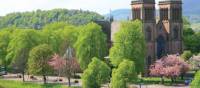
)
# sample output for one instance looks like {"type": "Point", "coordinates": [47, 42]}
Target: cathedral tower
{"type": "Point", "coordinates": [144, 10]}
{"type": "Point", "coordinates": [169, 30]}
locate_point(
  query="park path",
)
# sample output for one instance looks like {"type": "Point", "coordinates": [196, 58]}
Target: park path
{"type": "Point", "coordinates": [65, 82]}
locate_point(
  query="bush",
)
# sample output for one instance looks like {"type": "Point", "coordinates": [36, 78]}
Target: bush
{"type": "Point", "coordinates": [186, 55]}
{"type": "Point", "coordinates": [196, 82]}
{"type": "Point", "coordinates": [123, 74]}
{"type": "Point", "coordinates": [96, 74]}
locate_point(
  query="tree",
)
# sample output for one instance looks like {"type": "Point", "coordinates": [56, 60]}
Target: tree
{"type": "Point", "coordinates": [190, 38]}
{"type": "Point", "coordinates": [38, 60]}
{"type": "Point", "coordinates": [96, 74]}
{"type": "Point", "coordinates": [65, 66]}
{"type": "Point", "coordinates": [4, 41]}
{"type": "Point", "coordinates": [124, 74]}
{"type": "Point", "coordinates": [91, 43]}
{"type": "Point", "coordinates": [57, 63]}
{"type": "Point", "coordinates": [129, 43]}
{"type": "Point", "coordinates": [186, 55]}
{"type": "Point", "coordinates": [196, 82]}
{"type": "Point", "coordinates": [170, 66]}
{"type": "Point", "coordinates": [18, 49]}
{"type": "Point", "coordinates": [69, 37]}
{"type": "Point", "coordinates": [52, 38]}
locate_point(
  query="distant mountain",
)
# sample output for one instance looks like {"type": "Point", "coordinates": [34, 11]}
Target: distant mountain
{"type": "Point", "coordinates": [120, 14]}
{"type": "Point", "coordinates": [191, 9]}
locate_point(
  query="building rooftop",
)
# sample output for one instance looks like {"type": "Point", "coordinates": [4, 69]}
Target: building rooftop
{"type": "Point", "coordinates": [142, 1]}
{"type": "Point", "coordinates": [170, 1]}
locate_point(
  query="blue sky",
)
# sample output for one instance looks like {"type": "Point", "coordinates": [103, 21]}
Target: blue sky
{"type": "Point", "coordinates": [100, 6]}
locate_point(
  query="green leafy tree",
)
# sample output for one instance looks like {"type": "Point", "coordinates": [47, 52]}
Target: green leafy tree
{"type": "Point", "coordinates": [52, 38]}
{"type": "Point", "coordinates": [129, 43]}
{"type": "Point", "coordinates": [18, 49]}
{"type": "Point", "coordinates": [190, 38]}
{"type": "Point", "coordinates": [96, 74]}
{"type": "Point", "coordinates": [38, 60]}
{"type": "Point", "coordinates": [91, 43]}
{"type": "Point", "coordinates": [69, 37]}
{"type": "Point", "coordinates": [196, 82]}
{"type": "Point", "coordinates": [124, 74]}
{"type": "Point", "coordinates": [186, 55]}
{"type": "Point", "coordinates": [4, 41]}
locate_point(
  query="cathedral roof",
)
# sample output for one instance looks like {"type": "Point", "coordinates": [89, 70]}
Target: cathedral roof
{"type": "Point", "coordinates": [142, 1]}
{"type": "Point", "coordinates": [170, 1]}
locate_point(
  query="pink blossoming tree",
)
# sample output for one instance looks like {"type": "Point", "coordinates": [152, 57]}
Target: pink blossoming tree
{"type": "Point", "coordinates": [171, 66]}
{"type": "Point", "coordinates": [65, 66]}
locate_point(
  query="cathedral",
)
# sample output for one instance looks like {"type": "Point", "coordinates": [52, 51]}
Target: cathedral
{"type": "Point", "coordinates": [162, 27]}
{"type": "Point", "coordinates": [163, 32]}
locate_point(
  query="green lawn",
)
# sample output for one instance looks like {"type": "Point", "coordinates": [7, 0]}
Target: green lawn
{"type": "Point", "coordinates": [157, 80]}
{"type": "Point", "coordinates": [18, 84]}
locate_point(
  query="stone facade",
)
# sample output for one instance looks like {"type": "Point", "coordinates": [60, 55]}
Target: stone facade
{"type": "Point", "coordinates": [163, 35]}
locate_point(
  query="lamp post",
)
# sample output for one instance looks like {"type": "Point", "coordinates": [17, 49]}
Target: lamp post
{"type": "Point", "coordinates": [140, 77]}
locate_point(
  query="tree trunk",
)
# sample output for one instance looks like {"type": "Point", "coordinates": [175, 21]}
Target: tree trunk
{"type": "Point", "coordinates": [44, 79]}
{"type": "Point", "coordinates": [5, 68]}
{"type": "Point", "coordinates": [23, 76]}
{"type": "Point", "coordinates": [162, 80]}
{"type": "Point", "coordinates": [182, 76]}
{"type": "Point", "coordinates": [69, 81]}
{"type": "Point", "coordinates": [172, 80]}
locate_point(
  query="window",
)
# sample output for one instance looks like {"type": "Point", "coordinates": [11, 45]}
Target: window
{"type": "Point", "coordinates": [164, 14]}
{"type": "Point", "coordinates": [136, 13]}
{"type": "Point", "coordinates": [175, 33]}
{"type": "Point", "coordinates": [176, 14]}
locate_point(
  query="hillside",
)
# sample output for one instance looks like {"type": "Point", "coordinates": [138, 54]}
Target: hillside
{"type": "Point", "coordinates": [37, 19]}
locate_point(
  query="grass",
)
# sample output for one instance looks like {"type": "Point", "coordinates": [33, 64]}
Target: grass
{"type": "Point", "coordinates": [18, 84]}
{"type": "Point", "coordinates": [157, 80]}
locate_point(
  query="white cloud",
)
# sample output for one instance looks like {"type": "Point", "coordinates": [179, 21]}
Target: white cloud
{"type": "Point", "coordinates": [101, 6]}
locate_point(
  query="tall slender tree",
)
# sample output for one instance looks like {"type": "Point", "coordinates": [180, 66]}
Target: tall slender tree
{"type": "Point", "coordinates": [91, 43]}
{"type": "Point", "coordinates": [129, 43]}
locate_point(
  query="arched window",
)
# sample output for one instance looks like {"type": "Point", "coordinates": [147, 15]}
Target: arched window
{"type": "Point", "coordinates": [175, 33]}
{"type": "Point", "coordinates": [148, 34]}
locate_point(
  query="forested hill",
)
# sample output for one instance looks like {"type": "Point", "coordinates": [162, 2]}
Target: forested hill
{"type": "Point", "coordinates": [37, 19]}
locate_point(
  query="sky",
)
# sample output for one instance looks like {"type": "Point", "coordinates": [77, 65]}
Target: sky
{"type": "Point", "coordinates": [100, 6]}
